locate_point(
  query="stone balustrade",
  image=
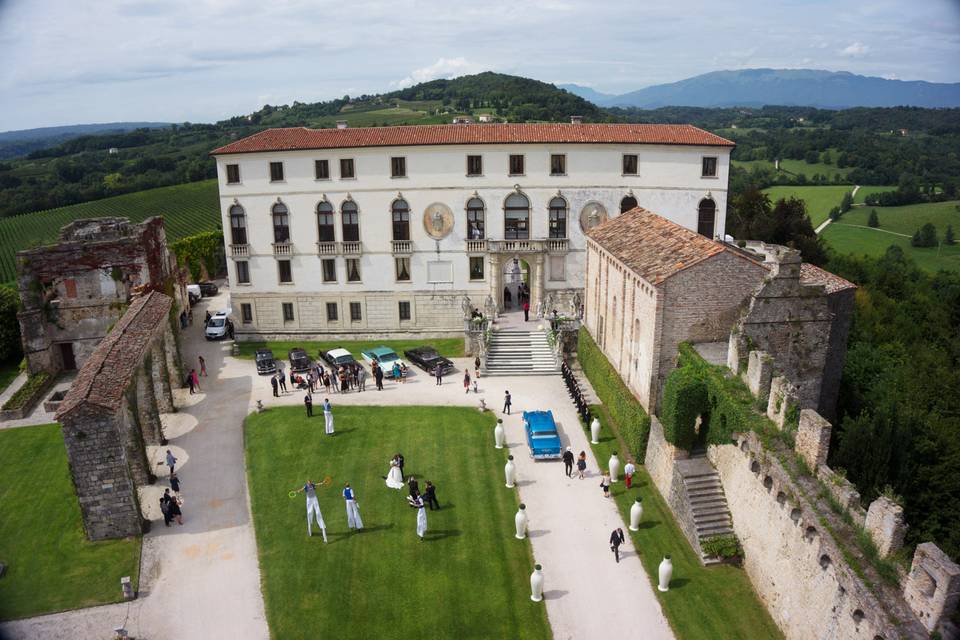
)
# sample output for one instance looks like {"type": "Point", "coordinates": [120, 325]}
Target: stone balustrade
{"type": "Point", "coordinates": [282, 248]}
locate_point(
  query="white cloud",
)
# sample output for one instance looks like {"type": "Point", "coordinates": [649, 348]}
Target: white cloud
{"type": "Point", "coordinates": [855, 50]}
{"type": "Point", "coordinates": [442, 68]}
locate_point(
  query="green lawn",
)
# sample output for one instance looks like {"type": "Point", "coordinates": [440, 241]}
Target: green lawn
{"type": "Point", "coordinates": [819, 199]}
{"type": "Point", "coordinates": [703, 603]}
{"type": "Point", "coordinates": [51, 566]}
{"type": "Point", "coordinates": [448, 347]}
{"type": "Point", "coordinates": [468, 579]}
{"type": "Point", "coordinates": [799, 167]}
{"type": "Point", "coordinates": [864, 191]}
{"type": "Point", "coordinates": [852, 235]}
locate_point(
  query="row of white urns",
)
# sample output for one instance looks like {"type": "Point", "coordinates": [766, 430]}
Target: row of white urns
{"type": "Point", "coordinates": [665, 572]}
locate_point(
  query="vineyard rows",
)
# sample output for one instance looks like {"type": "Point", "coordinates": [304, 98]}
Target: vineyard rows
{"type": "Point", "coordinates": [186, 209]}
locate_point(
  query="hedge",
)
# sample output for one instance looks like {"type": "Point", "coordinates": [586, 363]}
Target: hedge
{"type": "Point", "coordinates": [624, 408]}
{"type": "Point", "coordinates": [684, 398]}
{"type": "Point", "coordinates": [24, 394]}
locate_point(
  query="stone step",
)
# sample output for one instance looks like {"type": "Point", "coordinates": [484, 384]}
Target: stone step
{"type": "Point", "coordinates": [712, 531]}
{"type": "Point", "coordinates": [707, 501]}
{"type": "Point", "coordinates": [712, 519]}
{"type": "Point", "coordinates": [711, 509]}
{"type": "Point", "coordinates": [706, 494]}
{"type": "Point", "coordinates": [700, 483]}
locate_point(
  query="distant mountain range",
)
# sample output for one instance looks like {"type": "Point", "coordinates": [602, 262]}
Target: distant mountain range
{"type": "Point", "coordinates": [19, 143]}
{"type": "Point", "coordinates": [787, 87]}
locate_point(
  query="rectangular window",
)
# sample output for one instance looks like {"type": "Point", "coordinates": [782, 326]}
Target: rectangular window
{"type": "Point", "coordinates": [286, 274]}
{"type": "Point", "coordinates": [346, 168]}
{"type": "Point", "coordinates": [630, 164]}
{"type": "Point", "coordinates": [474, 165]}
{"type": "Point", "coordinates": [709, 167]}
{"type": "Point", "coordinates": [404, 310]}
{"type": "Point", "coordinates": [329, 269]}
{"type": "Point", "coordinates": [355, 312]}
{"type": "Point", "coordinates": [333, 312]}
{"type": "Point", "coordinates": [516, 165]}
{"type": "Point", "coordinates": [398, 167]}
{"type": "Point", "coordinates": [403, 269]}
{"type": "Point", "coordinates": [288, 312]}
{"type": "Point", "coordinates": [246, 313]}
{"type": "Point", "coordinates": [233, 174]}
{"type": "Point", "coordinates": [276, 172]}
{"type": "Point", "coordinates": [243, 272]}
{"type": "Point", "coordinates": [353, 269]}
{"type": "Point", "coordinates": [321, 169]}
{"type": "Point", "coordinates": [558, 164]}
{"type": "Point", "coordinates": [476, 267]}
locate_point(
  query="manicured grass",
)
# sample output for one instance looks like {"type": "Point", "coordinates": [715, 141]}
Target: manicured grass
{"type": "Point", "coordinates": [703, 603]}
{"type": "Point", "coordinates": [448, 347]}
{"type": "Point", "coordinates": [51, 566]}
{"type": "Point", "coordinates": [819, 199]}
{"type": "Point", "coordinates": [468, 579]}
{"type": "Point", "coordinates": [851, 234]}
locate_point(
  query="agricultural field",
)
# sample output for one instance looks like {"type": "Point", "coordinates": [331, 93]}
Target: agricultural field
{"type": "Point", "coordinates": [389, 113]}
{"type": "Point", "coordinates": [187, 209]}
{"type": "Point", "coordinates": [819, 199]}
{"type": "Point", "coordinates": [799, 167]}
{"type": "Point", "coordinates": [851, 234]}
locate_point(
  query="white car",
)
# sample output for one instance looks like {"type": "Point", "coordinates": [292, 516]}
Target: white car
{"type": "Point", "coordinates": [219, 327]}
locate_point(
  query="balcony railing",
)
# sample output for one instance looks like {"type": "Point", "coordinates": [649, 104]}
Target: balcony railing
{"type": "Point", "coordinates": [351, 247]}
{"type": "Point", "coordinates": [402, 246]}
{"type": "Point", "coordinates": [282, 248]}
{"type": "Point", "coordinates": [327, 248]}
{"type": "Point", "coordinates": [557, 245]}
{"type": "Point", "coordinates": [476, 246]}
{"type": "Point", "coordinates": [553, 245]}
{"type": "Point", "coordinates": [239, 250]}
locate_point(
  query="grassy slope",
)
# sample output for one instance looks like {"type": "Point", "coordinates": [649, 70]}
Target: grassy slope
{"type": "Point", "coordinates": [51, 564]}
{"type": "Point", "coordinates": [448, 347]}
{"type": "Point", "coordinates": [864, 191]}
{"type": "Point", "coordinates": [846, 238]}
{"type": "Point", "coordinates": [468, 579]}
{"type": "Point", "coordinates": [799, 166]}
{"type": "Point", "coordinates": [819, 199]}
{"type": "Point", "coordinates": [703, 603]}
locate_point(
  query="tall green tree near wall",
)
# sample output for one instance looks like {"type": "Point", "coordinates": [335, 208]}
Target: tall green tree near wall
{"type": "Point", "coordinates": [10, 347]}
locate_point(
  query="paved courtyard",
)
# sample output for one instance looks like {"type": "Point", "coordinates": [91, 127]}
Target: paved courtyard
{"type": "Point", "coordinates": [202, 580]}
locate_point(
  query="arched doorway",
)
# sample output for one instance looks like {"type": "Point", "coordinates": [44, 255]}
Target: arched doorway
{"type": "Point", "coordinates": [516, 284]}
{"type": "Point", "coordinates": [706, 217]}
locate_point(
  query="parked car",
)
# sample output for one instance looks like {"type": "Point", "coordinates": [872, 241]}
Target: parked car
{"type": "Point", "coordinates": [208, 289]}
{"type": "Point", "coordinates": [428, 359]}
{"type": "Point", "coordinates": [542, 436]}
{"type": "Point", "coordinates": [337, 357]}
{"type": "Point", "coordinates": [219, 327]}
{"type": "Point", "coordinates": [299, 360]}
{"type": "Point", "coordinates": [193, 294]}
{"type": "Point", "coordinates": [266, 363]}
{"type": "Point", "coordinates": [386, 356]}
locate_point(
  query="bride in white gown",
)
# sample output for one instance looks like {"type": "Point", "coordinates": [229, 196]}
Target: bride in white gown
{"type": "Point", "coordinates": [394, 477]}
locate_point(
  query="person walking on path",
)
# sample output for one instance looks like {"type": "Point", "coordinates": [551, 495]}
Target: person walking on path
{"type": "Point", "coordinates": [526, 311]}
{"type": "Point", "coordinates": [362, 379]}
{"type": "Point", "coordinates": [507, 402]}
{"type": "Point", "coordinates": [466, 381]}
{"type": "Point", "coordinates": [308, 403]}
{"type": "Point", "coordinates": [203, 366]}
{"type": "Point", "coordinates": [165, 508]}
{"type": "Point", "coordinates": [328, 416]}
{"type": "Point", "coordinates": [195, 378]}
{"type": "Point", "coordinates": [171, 461]}
{"type": "Point", "coordinates": [190, 384]}
{"type": "Point", "coordinates": [438, 372]}
{"type": "Point", "coordinates": [430, 496]}
{"type": "Point", "coordinates": [476, 367]}
{"type": "Point", "coordinates": [313, 508]}
{"type": "Point", "coordinates": [568, 462]}
{"type": "Point", "coordinates": [581, 464]}
{"type": "Point", "coordinates": [274, 384]}
{"type": "Point", "coordinates": [616, 539]}
{"type": "Point", "coordinates": [353, 510]}
{"type": "Point", "coordinates": [175, 483]}
{"type": "Point", "coordinates": [378, 374]}
{"type": "Point", "coordinates": [605, 484]}
{"type": "Point", "coordinates": [628, 472]}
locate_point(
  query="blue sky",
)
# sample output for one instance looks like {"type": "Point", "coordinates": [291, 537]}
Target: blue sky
{"type": "Point", "coordinates": [70, 61]}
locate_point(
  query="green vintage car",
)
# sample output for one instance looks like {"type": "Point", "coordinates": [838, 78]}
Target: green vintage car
{"type": "Point", "coordinates": [386, 356]}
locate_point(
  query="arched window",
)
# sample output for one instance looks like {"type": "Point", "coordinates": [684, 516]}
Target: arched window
{"type": "Point", "coordinates": [558, 218]}
{"type": "Point", "coordinates": [401, 219]}
{"type": "Point", "coordinates": [516, 217]}
{"type": "Point", "coordinates": [325, 221]}
{"type": "Point", "coordinates": [628, 202]}
{"type": "Point", "coordinates": [351, 221]}
{"type": "Point", "coordinates": [238, 225]}
{"type": "Point", "coordinates": [706, 217]}
{"type": "Point", "coordinates": [475, 219]}
{"type": "Point", "coordinates": [281, 223]}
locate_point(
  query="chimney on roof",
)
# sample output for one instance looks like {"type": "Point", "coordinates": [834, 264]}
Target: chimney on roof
{"type": "Point", "coordinates": [341, 124]}
{"type": "Point", "coordinates": [576, 119]}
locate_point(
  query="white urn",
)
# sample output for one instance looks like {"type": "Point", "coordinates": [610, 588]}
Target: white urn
{"type": "Point", "coordinates": [665, 573]}
{"type": "Point", "coordinates": [520, 520]}
{"type": "Point", "coordinates": [498, 434]}
{"type": "Point", "coordinates": [595, 431]}
{"type": "Point", "coordinates": [614, 465]}
{"type": "Point", "coordinates": [536, 584]}
{"type": "Point", "coordinates": [510, 472]}
{"type": "Point", "coordinates": [636, 513]}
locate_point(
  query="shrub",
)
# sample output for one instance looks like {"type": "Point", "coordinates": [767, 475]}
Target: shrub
{"type": "Point", "coordinates": [684, 398]}
{"type": "Point", "coordinates": [25, 394]}
{"type": "Point", "coordinates": [722, 546]}
{"type": "Point", "coordinates": [10, 347]}
{"type": "Point", "coordinates": [874, 220]}
{"type": "Point", "coordinates": [624, 408]}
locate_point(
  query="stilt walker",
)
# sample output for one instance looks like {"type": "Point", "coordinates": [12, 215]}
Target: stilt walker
{"type": "Point", "coordinates": [313, 507]}
{"type": "Point", "coordinates": [353, 511]}
{"type": "Point", "coordinates": [328, 416]}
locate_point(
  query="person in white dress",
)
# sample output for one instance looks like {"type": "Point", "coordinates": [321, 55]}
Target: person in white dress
{"type": "Point", "coordinates": [353, 511]}
{"type": "Point", "coordinates": [394, 477]}
{"type": "Point", "coordinates": [417, 503]}
{"type": "Point", "coordinates": [313, 508]}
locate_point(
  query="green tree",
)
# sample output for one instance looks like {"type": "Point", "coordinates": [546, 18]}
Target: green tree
{"type": "Point", "coordinates": [811, 157]}
{"type": "Point", "coordinates": [874, 220]}
{"type": "Point", "coordinates": [846, 203]}
{"type": "Point", "coordinates": [948, 236]}
{"type": "Point", "coordinates": [826, 158]}
{"type": "Point", "coordinates": [10, 347]}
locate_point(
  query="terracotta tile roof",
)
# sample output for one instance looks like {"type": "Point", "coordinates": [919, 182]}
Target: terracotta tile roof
{"type": "Point", "coordinates": [813, 275]}
{"type": "Point", "coordinates": [105, 375]}
{"type": "Point", "coordinates": [301, 138]}
{"type": "Point", "coordinates": [652, 246]}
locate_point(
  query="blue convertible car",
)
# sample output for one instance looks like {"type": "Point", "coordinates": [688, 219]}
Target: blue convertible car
{"type": "Point", "coordinates": [542, 436]}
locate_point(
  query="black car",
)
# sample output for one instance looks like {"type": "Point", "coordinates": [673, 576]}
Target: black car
{"type": "Point", "coordinates": [428, 359]}
{"type": "Point", "coordinates": [299, 360]}
{"type": "Point", "coordinates": [208, 289]}
{"type": "Point", "coordinates": [265, 361]}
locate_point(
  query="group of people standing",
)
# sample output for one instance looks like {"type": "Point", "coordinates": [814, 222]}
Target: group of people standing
{"type": "Point", "coordinates": [416, 500]}
{"type": "Point", "coordinates": [575, 392]}
{"type": "Point", "coordinates": [170, 503]}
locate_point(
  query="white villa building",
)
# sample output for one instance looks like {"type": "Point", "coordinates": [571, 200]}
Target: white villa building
{"type": "Point", "coordinates": [385, 230]}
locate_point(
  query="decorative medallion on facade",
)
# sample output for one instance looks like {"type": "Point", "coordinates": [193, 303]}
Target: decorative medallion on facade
{"type": "Point", "coordinates": [593, 213]}
{"type": "Point", "coordinates": [438, 221]}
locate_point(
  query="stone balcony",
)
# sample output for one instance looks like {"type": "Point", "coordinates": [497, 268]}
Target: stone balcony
{"type": "Point", "coordinates": [327, 248]}
{"type": "Point", "coordinates": [351, 247]}
{"type": "Point", "coordinates": [402, 246]}
{"type": "Point", "coordinates": [239, 250]}
{"type": "Point", "coordinates": [282, 248]}
{"type": "Point", "coordinates": [476, 246]}
{"type": "Point", "coordinates": [553, 245]}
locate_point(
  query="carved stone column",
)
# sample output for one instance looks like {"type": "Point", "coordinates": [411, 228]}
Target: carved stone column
{"type": "Point", "coordinates": [536, 286]}
{"type": "Point", "coordinates": [496, 283]}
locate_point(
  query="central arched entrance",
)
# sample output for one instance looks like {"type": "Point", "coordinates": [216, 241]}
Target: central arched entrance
{"type": "Point", "coordinates": [516, 284]}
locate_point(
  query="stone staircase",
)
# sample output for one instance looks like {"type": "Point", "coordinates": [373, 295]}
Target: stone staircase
{"type": "Point", "coordinates": [706, 502]}
{"type": "Point", "coordinates": [514, 352]}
